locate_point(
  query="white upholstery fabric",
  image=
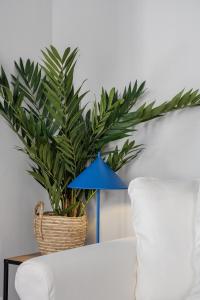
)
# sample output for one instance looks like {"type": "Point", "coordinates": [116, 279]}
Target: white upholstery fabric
{"type": "Point", "coordinates": [97, 272]}
{"type": "Point", "coordinates": [167, 226]}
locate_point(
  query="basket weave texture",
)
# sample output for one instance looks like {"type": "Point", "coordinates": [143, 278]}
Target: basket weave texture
{"type": "Point", "coordinates": [56, 233]}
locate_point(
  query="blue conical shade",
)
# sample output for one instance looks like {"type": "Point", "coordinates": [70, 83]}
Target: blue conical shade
{"type": "Point", "coordinates": [98, 176]}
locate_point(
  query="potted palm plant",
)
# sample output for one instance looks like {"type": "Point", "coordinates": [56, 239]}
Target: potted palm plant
{"type": "Point", "coordinates": [61, 135]}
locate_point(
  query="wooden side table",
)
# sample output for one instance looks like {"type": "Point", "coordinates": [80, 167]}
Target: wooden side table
{"type": "Point", "coordinates": [17, 260]}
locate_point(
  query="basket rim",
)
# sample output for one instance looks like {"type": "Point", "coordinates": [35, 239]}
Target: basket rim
{"type": "Point", "coordinates": [53, 215]}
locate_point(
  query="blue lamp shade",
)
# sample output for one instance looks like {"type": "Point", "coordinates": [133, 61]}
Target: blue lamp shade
{"type": "Point", "coordinates": [98, 176]}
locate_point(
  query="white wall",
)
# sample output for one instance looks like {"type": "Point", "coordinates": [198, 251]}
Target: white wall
{"type": "Point", "coordinates": [156, 41]}
{"type": "Point", "coordinates": [97, 28]}
{"type": "Point", "coordinates": [25, 27]}
{"type": "Point", "coordinates": [169, 60]}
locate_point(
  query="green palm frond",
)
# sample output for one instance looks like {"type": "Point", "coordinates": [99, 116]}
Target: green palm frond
{"type": "Point", "coordinates": [117, 158]}
{"type": "Point", "coordinates": [61, 136]}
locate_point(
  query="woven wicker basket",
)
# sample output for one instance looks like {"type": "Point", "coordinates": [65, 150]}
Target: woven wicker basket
{"type": "Point", "coordinates": [56, 233]}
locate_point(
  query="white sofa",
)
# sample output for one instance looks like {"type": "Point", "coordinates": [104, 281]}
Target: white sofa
{"type": "Point", "coordinates": [161, 263]}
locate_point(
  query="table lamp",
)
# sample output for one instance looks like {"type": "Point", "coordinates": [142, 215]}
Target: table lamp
{"type": "Point", "coordinates": [98, 176]}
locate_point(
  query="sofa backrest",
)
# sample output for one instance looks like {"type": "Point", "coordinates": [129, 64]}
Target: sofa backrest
{"type": "Point", "coordinates": [166, 218]}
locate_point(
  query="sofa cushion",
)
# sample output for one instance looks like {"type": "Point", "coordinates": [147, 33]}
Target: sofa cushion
{"type": "Point", "coordinates": [166, 218]}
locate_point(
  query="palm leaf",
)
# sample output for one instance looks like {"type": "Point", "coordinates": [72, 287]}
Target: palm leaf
{"type": "Point", "coordinates": [61, 135]}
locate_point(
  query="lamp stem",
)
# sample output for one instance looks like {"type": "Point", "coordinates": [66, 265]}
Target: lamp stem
{"type": "Point", "coordinates": [98, 216]}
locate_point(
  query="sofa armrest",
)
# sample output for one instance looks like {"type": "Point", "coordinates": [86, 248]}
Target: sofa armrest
{"type": "Point", "coordinates": [105, 271]}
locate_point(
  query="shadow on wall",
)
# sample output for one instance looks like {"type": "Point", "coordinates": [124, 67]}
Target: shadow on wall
{"type": "Point", "coordinates": [172, 146]}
